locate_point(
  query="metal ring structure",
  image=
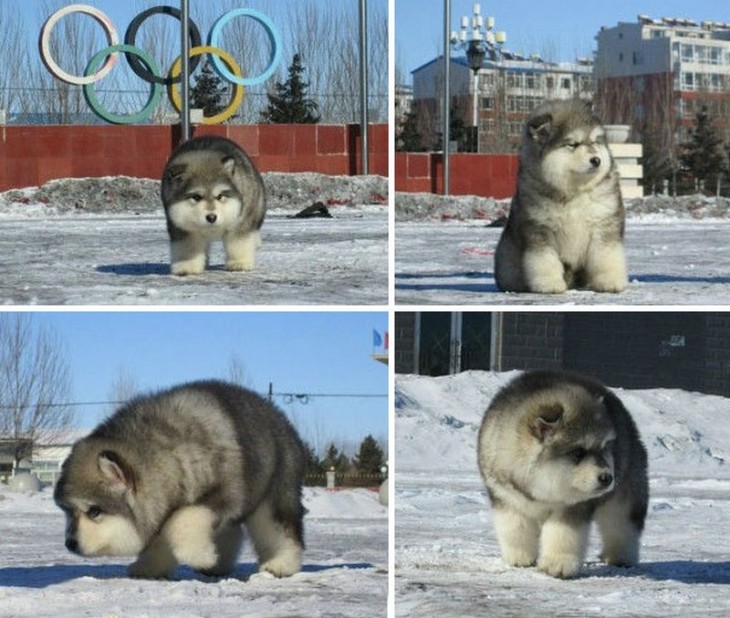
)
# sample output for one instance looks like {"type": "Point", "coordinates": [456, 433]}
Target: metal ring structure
{"type": "Point", "coordinates": [44, 43]}
{"type": "Point", "coordinates": [238, 90]}
{"type": "Point", "coordinates": [131, 35]}
{"type": "Point", "coordinates": [143, 65]}
{"type": "Point", "coordinates": [274, 59]}
{"type": "Point", "coordinates": [93, 100]}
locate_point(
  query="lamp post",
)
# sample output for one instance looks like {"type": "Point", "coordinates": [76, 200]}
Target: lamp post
{"type": "Point", "coordinates": [484, 41]}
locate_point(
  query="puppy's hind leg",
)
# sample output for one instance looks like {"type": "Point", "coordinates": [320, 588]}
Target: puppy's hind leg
{"type": "Point", "coordinates": [278, 543]}
{"type": "Point", "coordinates": [228, 541]}
{"type": "Point", "coordinates": [619, 533]}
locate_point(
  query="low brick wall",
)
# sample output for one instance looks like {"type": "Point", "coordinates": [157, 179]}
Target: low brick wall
{"type": "Point", "coordinates": [33, 155]}
{"type": "Point", "coordinates": [485, 175]}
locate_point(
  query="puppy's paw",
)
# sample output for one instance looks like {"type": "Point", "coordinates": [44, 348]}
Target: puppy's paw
{"type": "Point", "coordinates": [564, 566]}
{"type": "Point", "coordinates": [608, 282]}
{"type": "Point", "coordinates": [548, 285]}
{"type": "Point", "coordinates": [519, 557]}
{"type": "Point", "coordinates": [182, 269]}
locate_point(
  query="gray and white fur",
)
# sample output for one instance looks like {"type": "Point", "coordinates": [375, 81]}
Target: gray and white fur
{"type": "Point", "coordinates": [172, 478]}
{"type": "Point", "coordinates": [566, 223]}
{"type": "Point", "coordinates": [556, 451]}
{"type": "Point", "coordinates": [212, 191]}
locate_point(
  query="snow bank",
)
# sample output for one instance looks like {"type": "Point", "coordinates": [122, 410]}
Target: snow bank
{"type": "Point", "coordinates": [686, 434]}
{"type": "Point", "coordinates": [126, 195]}
{"type": "Point", "coordinates": [427, 206]}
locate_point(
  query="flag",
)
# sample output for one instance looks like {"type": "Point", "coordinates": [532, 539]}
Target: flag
{"type": "Point", "coordinates": [377, 339]}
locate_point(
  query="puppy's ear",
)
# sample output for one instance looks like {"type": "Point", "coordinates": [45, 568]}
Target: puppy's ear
{"type": "Point", "coordinates": [174, 172]}
{"type": "Point", "coordinates": [546, 420]}
{"type": "Point", "coordinates": [229, 165]}
{"type": "Point", "coordinates": [540, 127]}
{"type": "Point", "coordinates": [118, 473]}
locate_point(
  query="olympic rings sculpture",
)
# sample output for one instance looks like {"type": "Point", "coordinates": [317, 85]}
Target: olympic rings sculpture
{"type": "Point", "coordinates": [144, 66]}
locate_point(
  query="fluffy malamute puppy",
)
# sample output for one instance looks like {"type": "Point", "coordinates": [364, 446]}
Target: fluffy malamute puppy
{"type": "Point", "coordinates": [173, 476]}
{"type": "Point", "coordinates": [566, 223]}
{"type": "Point", "coordinates": [557, 450]}
{"type": "Point", "coordinates": [211, 190]}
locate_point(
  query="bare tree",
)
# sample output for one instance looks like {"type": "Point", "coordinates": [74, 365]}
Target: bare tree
{"type": "Point", "coordinates": [35, 384]}
{"type": "Point", "coordinates": [14, 53]}
{"type": "Point", "coordinates": [237, 372]}
{"type": "Point", "coordinates": [124, 387]}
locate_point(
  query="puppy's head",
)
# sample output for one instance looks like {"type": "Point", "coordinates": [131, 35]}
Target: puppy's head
{"type": "Point", "coordinates": [200, 194]}
{"type": "Point", "coordinates": [96, 492]}
{"type": "Point", "coordinates": [575, 440]}
{"type": "Point", "coordinates": [567, 143]}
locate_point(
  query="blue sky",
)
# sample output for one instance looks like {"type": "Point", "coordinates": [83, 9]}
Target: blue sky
{"type": "Point", "coordinates": [300, 352]}
{"type": "Point", "coordinates": [564, 29]}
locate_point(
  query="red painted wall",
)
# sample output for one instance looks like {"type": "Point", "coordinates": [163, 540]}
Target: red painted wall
{"type": "Point", "coordinates": [33, 155]}
{"type": "Point", "coordinates": [486, 175]}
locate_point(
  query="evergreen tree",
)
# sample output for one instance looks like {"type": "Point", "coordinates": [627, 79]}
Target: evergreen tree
{"type": "Point", "coordinates": [314, 466]}
{"type": "Point", "coordinates": [289, 104]}
{"type": "Point", "coordinates": [659, 163]}
{"type": "Point", "coordinates": [369, 459]}
{"type": "Point", "coordinates": [335, 459]}
{"type": "Point", "coordinates": [702, 155]}
{"type": "Point", "coordinates": [410, 139]}
{"type": "Point", "coordinates": [208, 91]}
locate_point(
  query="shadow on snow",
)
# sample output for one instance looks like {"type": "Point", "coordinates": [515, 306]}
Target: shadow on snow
{"type": "Point", "coordinates": [44, 576]}
{"type": "Point", "coordinates": [488, 286]}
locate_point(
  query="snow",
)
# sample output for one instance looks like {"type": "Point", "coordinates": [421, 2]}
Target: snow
{"type": "Point", "coordinates": [447, 560]}
{"type": "Point", "coordinates": [676, 250]}
{"type": "Point", "coordinates": [345, 570]}
{"type": "Point", "coordinates": [104, 241]}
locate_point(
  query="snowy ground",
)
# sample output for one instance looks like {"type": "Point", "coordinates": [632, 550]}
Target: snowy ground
{"type": "Point", "coordinates": [344, 574]}
{"type": "Point", "coordinates": [446, 556]}
{"type": "Point", "coordinates": [103, 241]}
{"type": "Point", "coordinates": [677, 253]}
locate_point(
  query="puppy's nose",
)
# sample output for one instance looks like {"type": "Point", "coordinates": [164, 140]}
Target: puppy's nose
{"type": "Point", "coordinates": [72, 545]}
{"type": "Point", "coordinates": [605, 479]}
{"type": "Point", "coordinates": [596, 161]}
{"type": "Point", "coordinates": [211, 218]}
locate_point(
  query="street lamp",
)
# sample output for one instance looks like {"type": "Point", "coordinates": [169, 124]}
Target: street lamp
{"type": "Point", "coordinates": [484, 41]}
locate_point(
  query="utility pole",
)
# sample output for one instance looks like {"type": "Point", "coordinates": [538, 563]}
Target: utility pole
{"type": "Point", "coordinates": [185, 72]}
{"type": "Point", "coordinates": [447, 92]}
{"type": "Point", "coordinates": [364, 85]}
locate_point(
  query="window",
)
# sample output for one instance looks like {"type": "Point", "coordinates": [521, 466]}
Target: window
{"type": "Point", "coordinates": [638, 58]}
{"type": "Point", "coordinates": [565, 83]}
{"type": "Point", "coordinates": [486, 103]}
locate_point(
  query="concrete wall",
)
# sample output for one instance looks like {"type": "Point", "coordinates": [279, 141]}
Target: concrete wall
{"type": "Point", "coordinates": [33, 155]}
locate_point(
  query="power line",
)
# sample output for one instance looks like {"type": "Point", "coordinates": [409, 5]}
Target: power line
{"type": "Point", "coordinates": [288, 398]}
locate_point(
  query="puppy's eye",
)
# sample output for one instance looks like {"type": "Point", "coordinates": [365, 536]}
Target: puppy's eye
{"type": "Point", "coordinates": [221, 197]}
{"type": "Point", "coordinates": [195, 197]}
{"type": "Point", "coordinates": [93, 512]}
{"type": "Point", "coordinates": [572, 145]}
{"type": "Point", "coordinates": [578, 455]}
